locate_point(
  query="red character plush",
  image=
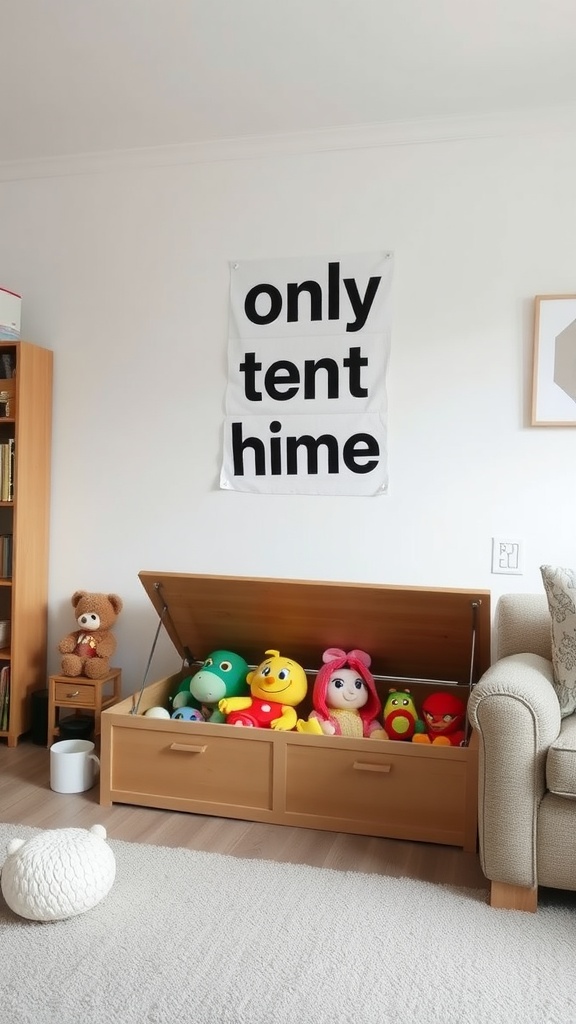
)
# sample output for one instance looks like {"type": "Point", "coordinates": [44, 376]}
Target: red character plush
{"type": "Point", "coordinates": [443, 715]}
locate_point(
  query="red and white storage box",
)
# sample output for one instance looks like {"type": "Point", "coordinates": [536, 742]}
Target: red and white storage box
{"type": "Point", "coordinates": [10, 308]}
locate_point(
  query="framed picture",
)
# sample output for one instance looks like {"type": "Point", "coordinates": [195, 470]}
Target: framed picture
{"type": "Point", "coordinates": [554, 381]}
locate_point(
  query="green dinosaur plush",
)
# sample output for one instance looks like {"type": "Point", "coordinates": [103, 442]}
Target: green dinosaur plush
{"type": "Point", "coordinates": [223, 674]}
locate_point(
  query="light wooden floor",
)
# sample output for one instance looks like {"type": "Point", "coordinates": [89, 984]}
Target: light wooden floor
{"type": "Point", "coordinates": [26, 799]}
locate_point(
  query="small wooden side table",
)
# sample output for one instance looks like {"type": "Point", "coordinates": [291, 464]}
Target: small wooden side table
{"type": "Point", "coordinates": [84, 694]}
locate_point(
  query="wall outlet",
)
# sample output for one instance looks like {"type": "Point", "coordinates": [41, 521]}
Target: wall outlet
{"type": "Point", "coordinates": [507, 556]}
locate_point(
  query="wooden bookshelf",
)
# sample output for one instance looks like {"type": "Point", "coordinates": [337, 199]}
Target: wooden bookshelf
{"type": "Point", "coordinates": [24, 596]}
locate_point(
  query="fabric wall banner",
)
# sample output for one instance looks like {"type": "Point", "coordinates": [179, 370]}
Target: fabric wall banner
{"type": "Point", "coordinates": [308, 349]}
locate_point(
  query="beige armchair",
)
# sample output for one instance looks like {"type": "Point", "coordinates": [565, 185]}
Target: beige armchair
{"type": "Point", "coordinates": [527, 753]}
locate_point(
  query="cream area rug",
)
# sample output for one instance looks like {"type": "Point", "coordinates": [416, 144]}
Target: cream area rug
{"type": "Point", "coordinates": [197, 937]}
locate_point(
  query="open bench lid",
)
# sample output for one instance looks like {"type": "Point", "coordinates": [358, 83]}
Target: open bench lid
{"type": "Point", "coordinates": [409, 632]}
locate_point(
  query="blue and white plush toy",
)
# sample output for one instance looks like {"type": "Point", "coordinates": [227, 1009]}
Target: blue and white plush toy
{"type": "Point", "coordinates": [188, 715]}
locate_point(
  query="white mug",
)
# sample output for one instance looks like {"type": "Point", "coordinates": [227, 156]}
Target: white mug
{"type": "Point", "coordinates": [73, 766]}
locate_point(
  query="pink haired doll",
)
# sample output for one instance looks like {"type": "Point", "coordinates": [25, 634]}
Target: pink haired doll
{"type": "Point", "coordinates": [344, 697]}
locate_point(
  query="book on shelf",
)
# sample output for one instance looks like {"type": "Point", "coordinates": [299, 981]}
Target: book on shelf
{"type": "Point", "coordinates": [6, 547]}
{"type": "Point", "coordinates": [7, 470]}
{"type": "Point", "coordinates": [11, 448]}
{"type": "Point", "coordinates": [4, 697]}
{"type": "Point", "coordinates": [6, 366]}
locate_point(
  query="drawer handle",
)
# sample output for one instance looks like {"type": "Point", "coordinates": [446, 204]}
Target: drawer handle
{"type": "Point", "coordinates": [75, 694]}
{"type": "Point", "coordinates": [188, 747]}
{"type": "Point", "coordinates": [372, 767]}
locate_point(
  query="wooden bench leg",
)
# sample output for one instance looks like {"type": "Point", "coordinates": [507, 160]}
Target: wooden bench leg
{"type": "Point", "coordinates": [513, 897]}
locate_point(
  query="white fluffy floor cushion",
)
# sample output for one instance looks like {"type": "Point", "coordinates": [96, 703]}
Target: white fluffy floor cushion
{"type": "Point", "coordinates": [58, 873]}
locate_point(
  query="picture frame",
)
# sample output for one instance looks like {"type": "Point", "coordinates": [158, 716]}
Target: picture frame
{"type": "Point", "coordinates": [554, 369]}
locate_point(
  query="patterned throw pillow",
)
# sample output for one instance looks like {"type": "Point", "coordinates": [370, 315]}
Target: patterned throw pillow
{"type": "Point", "coordinates": [560, 587]}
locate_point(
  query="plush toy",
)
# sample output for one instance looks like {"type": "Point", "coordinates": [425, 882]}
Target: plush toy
{"type": "Point", "coordinates": [157, 712]}
{"type": "Point", "coordinates": [344, 697]}
{"type": "Point", "coordinates": [223, 674]}
{"type": "Point", "coordinates": [89, 649]}
{"type": "Point", "coordinates": [188, 715]}
{"type": "Point", "coordinates": [401, 720]}
{"type": "Point", "coordinates": [444, 715]}
{"type": "Point", "coordinates": [58, 873]}
{"type": "Point", "coordinates": [277, 686]}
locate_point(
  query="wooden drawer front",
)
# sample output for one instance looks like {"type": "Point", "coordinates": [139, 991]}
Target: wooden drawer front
{"type": "Point", "coordinates": [182, 765]}
{"type": "Point", "coordinates": [382, 790]}
{"type": "Point", "coordinates": [74, 693]}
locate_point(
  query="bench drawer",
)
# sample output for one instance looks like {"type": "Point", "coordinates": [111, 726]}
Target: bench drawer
{"type": "Point", "coordinates": [386, 792]}
{"type": "Point", "coordinates": [197, 768]}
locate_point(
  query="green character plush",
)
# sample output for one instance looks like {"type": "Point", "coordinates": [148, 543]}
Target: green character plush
{"type": "Point", "coordinates": [400, 716]}
{"type": "Point", "coordinates": [223, 674]}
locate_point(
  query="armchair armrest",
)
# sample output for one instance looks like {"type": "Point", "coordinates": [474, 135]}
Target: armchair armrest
{"type": "Point", "coordinates": [516, 715]}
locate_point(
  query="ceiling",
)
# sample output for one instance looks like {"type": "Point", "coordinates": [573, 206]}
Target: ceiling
{"type": "Point", "coordinates": [85, 76]}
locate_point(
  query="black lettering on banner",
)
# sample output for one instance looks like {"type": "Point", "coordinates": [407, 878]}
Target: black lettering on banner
{"type": "Point", "coordinates": [275, 449]}
{"type": "Point", "coordinates": [321, 378]}
{"type": "Point", "coordinates": [351, 452]}
{"type": "Point", "coordinates": [333, 291]}
{"type": "Point", "coordinates": [238, 448]}
{"type": "Point", "coordinates": [284, 373]}
{"type": "Point", "coordinates": [361, 306]}
{"type": "Point", "coordinates": [293, 291]}
{"type": "Point", "coordinates": [354, 362]}
{"type": "Point", "coordinates": [357, 447]}
{"type": "Point", "coordinates": [275, 304]}
{"type": "Point", "coordinates": [249, 368]}
{"type": "Point", "coordinates": [332, 374]}
{"type": "Point", "coordinates": [311, 444]}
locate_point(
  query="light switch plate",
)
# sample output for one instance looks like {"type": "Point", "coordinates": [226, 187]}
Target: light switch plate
{"type": "Point", "coordinates": [507, 556]}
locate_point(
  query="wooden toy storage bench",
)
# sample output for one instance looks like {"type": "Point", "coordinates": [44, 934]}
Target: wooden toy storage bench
{"type": "Point", "coordinates": [369, 787]}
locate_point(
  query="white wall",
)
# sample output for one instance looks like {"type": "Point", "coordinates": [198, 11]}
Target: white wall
{"type": "Point", "coordinates": [124, 273]}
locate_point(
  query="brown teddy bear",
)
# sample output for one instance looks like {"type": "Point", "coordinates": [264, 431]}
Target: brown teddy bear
{"type": "Point", "coordinates": [87, 651]}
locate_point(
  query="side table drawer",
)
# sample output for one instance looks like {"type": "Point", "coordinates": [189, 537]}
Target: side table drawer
{"type": "Point", "coordinates": [74, 693]}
